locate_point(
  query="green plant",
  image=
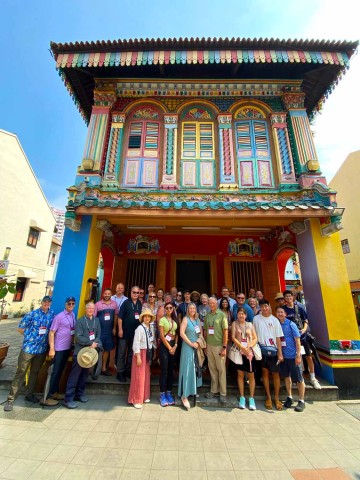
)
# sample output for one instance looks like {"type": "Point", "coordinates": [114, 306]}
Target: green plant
{"type": "Point", "coordinates": [5, 288]}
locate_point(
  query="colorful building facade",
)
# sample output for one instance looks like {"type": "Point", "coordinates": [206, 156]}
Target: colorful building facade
{"type": "Point", "coordinates": [200, 170]}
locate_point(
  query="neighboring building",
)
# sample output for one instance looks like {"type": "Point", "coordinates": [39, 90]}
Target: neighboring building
{"type": "Point", "coordinates": [346, 183]}
{"type": "Point", "coordinates": [27, 224]}
{"type": "Point", "coordinates": [200, 170]}
{"type": "Point", "coordinates": [52, 265]}
{"type": "Point", "coordinates": [60, 223]}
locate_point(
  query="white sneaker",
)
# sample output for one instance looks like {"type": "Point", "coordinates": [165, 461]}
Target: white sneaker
{"type": "Point", "coordinates": [147, 400]}
{"type": "Point", "coordinates": [186, 403]}
{"type": "Point", "coordinates": [137, 405]}
{"type": "Point", "coordinates": [315, 384]}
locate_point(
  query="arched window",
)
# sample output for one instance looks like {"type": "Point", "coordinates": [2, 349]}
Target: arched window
{"type": "Point", "coordinates": [142, 148]}
{"type": "Point", "coordinates": [253, 148]}
{"type": "Point", "coordinates": [197, 148]}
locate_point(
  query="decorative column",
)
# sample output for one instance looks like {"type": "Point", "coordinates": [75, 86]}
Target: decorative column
{"type": "Point", "coordinates": [226, 148]}
{"type": "Point", "coordinates": [305, 154]}
{"type": "Point", "coordinates": [282, 147]}
{"type": "Point", "coordinates": [104, 98]}
{"type": "Point", "coordinates": [329, 305]}
{"type": "Point", "coordinates": [112, 166]}
{"type": "Point", "coordinates": [169, 181]}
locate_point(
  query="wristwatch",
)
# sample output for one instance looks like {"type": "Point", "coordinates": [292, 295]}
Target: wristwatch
{"type": "Point", "coordinates": [224, 346]}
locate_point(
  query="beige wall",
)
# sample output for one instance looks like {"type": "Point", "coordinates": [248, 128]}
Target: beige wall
{"type": "Point", "coordinates": [347, 184]}
{"type": "Point", "coordinates": [22, 203]}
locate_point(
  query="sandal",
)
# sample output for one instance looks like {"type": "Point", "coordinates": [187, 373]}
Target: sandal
{"type": "Point", "coordinates": [268, 404]}
{"type": "Point", "coordinates": [278, 405]}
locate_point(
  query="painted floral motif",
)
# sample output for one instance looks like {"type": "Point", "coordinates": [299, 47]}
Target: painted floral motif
{"type": "Point", "coordinates": [249, 112]}
{"type": "Point", "coordinates": [197, 114]}
{"type": "Point", "coordinates": [146, 113]}
{"type": "Point", "coordinates": [140, 244]}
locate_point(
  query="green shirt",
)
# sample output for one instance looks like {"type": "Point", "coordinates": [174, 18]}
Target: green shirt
{"type": "Point", "coordinates": [168, 327]}
{"type": "Point", "coordinates": [219, 323]}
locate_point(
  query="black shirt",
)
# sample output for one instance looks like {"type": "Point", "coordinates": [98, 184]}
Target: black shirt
{"type": "Point", "coordinates": [127, 314]}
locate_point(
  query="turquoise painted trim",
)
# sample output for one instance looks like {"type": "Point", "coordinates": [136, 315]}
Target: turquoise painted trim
{"type": "Point", "coordinates": [71, 266]}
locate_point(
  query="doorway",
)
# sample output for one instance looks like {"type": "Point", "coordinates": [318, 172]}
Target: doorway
{"type": "Point", "coordinates": [194, 275]}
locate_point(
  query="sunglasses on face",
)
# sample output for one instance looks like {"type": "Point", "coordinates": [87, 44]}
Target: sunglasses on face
{"type": "Point", "coordinates": [136, 293]}
{"type": "Point", "coordinates": [70, 303]}
{"type": "Point", "coordinates": [152, 296]}
{"type": "Point", "coordinates": [168, 308]}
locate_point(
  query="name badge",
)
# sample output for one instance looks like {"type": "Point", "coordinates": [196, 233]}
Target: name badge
{"type": "Point", "coordinates": [283, 342]}
{"type": "Point", "coordinates": [91, 336]}
{"type": "Point", "coordinates": [107, 316]}
{"type": "Point", "coordinates": [137, 316]}
{"type": "Point", "coordinates": [42, 331]}
{"type": "Point", "coordinates": [211, 331]}
{"type": "Point", "coordinates": [302, 350]}
{"type": "Point", "coordinates": [271, 342]}
{"type": "Point", "coordinates": [168, 338]}
{"type": "Point", "coordinates": [197, 329]}
{"type": "Point", "coordinates": [244, 342]}
{"type": "Point", "coordinates": [72, 332]}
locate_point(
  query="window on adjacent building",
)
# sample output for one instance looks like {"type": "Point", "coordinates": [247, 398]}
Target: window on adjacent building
{"type": "Point", "coordinates": [20, 289]}
{"type": "Point", "coordinates": [142, 149]}
{"type": "Point", "coordinates": [345, 246]}
{"type": "Point", "coordinates": [253, 148]}
{"type": "Point", "coordinates": [33, 237]}
{"type": "Point", "coordinates": [197, 149]}
{"type": "Point", "coordinates": [51, 258]}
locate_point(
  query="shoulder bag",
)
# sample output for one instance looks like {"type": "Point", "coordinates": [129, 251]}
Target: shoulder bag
{"type": "Point", "coordinates": [234, 355]}
{"type": "Point", "coordinates": [149, 351]}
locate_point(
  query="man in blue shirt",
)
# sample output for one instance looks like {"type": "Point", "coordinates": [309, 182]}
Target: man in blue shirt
{"type": "Point", "coordinates": [240, 302]}
{"type": "Point", "coordinates": [35, 327]}
{"type": "Point", "coordinates": [290, 368]}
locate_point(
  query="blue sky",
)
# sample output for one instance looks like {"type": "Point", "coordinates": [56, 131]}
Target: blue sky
{"type": "Point", "coordinates": [35, 105]}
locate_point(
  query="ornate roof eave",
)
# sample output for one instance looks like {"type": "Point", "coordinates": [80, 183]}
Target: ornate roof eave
{"type": "Point", "coordinates": [74, 60]}
{"type": "Point", "coordinates": [202, 43]}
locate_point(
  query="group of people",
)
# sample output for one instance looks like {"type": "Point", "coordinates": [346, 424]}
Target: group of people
{"type": "Point", "coordinates": [184, 329]}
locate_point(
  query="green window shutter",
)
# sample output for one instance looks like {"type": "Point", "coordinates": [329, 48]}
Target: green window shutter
{"type": "Point", "coordinates": [243, 139]}
{"type": "Point", "coordinates": [189, 140]}
{"type": "Point", "coordinates": [206, 140]}
{"type": "Point", "coordinates": [261, 143]}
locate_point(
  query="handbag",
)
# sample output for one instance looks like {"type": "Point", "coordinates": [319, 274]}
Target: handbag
{"type": "Point", "coordinates": [257, 352]}
{"type": "Point", "coordinates": [268, 351]}
{"type": "Point", "coordinates": [234, 355]}
{"type": "Point", "coordinates": [149, 351]}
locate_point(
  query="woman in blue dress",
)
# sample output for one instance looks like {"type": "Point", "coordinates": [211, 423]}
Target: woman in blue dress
{"type": "Point", "coordinates": [189, 331]}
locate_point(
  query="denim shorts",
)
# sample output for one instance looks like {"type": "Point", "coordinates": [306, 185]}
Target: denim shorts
{"type": "Point", "coordinates": [288, 368]}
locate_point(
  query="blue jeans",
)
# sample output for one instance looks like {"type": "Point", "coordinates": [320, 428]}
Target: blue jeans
{"type": "Point", "coordinates": [59, 362]}
{"type": "Point", "coordinates": [76, 382]}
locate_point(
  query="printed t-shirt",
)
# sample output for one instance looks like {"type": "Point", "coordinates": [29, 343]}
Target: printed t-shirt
{"type": "Point", "coordinates": [267, 329]}
{"type": "Point", "coordinates": [290, 331]}
{"type": "Point", "coordinates": [219, 323]}
{"type": "Point", "coordinates": [36, 325]}
{"type": "Point", "coordinates": [63, 324]}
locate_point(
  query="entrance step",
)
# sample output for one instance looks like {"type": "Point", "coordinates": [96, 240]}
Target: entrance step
{"type": "Point", "coordinates": [111, 386]}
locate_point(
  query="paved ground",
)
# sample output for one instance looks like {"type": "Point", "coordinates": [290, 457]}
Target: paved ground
{"type": "Point", "coordinates": [106, 438]}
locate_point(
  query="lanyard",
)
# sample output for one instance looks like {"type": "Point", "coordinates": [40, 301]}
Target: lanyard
{"type": "Point", "coordinates": [172, 326]}
{"type": "Point", "coordinates": [71, 324]}
{"type": "Point", "coordinates": [86, 319]}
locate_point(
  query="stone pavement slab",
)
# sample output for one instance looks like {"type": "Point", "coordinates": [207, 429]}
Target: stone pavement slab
{"type": "Point", "coordinates": [107, 438]}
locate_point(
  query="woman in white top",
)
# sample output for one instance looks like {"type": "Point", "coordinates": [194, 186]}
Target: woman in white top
{"type": "Point", "coordinates": [139, 392]}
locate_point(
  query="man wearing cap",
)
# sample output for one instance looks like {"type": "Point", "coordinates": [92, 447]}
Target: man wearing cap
{"type": "Point", "coordinates": [279, 299]}
{"type": "Point", "coordinates": [61, 339]}
{"type": "Point", "coordinates": [35, 327]}
{"type": "Point", "coordinates": [87, 334]}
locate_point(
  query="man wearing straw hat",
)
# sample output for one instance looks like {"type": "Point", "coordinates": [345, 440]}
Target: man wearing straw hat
{"type": "Point", "coordinates": [87, 334]}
